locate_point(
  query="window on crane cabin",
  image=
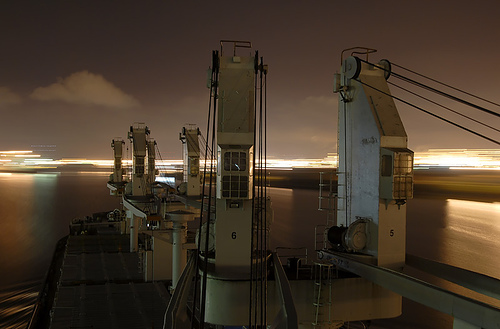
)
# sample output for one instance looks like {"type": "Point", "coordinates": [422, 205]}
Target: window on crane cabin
{"type": "Point", "coordinates": [235, 185]}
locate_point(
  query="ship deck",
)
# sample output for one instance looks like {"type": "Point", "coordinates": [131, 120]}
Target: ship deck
{"type": "Point", "coordinates": [102, 286]}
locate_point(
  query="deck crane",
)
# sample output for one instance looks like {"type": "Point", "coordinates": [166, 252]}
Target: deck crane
{"type": "Point", "coordinates": [116, 183]}
{"type": "Point", "coordinates": [191, 160]}
{"type": "Point", "coordinates": [293, 303]}
{"type": "Point", "coordinates": [149, 218]}
{"type": "Point", "coordinates": [375, 179]}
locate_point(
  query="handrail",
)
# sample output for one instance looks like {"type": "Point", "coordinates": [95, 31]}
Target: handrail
{"type": "Point", "coordinates": [304, 255]}
{"type": "Point", "coordinates": [287, 316]}
{"type": "Point", "coordinates": [366, 52]}
{"type": "Point", "coordinates": [176, 316]}
{"type": "Point", "coordinates": [236, 44]}
{"type": "Point", "coordinates": [39, 315]}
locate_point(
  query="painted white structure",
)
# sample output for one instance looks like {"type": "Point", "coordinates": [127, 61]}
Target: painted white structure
{"type": "Point", "coordinates": [375, 173]}
{"type": "Point", "coordinates": [228, 280]}
{"type": "Point", "coordinates": [161, 224]}
{"type": "Point", "coordinates": [151, 155]}
{"type": "Point", "coordinates": [326, 301]}
{"type": "Point", "coordinates": [117, 145]}
{"type": "Point", "coordinates": [137, 135]}
{"type": "Point", "coordinates": [191, 159]}
{"type": "Point", "coordinates": [179, 218]}
{"type": "Point", "coordinates": [116, 183]}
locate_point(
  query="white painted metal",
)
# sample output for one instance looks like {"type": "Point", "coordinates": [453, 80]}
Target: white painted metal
{"type": "Point", "coordinates": [235, 138]}
{"type": "Point", "coordinates": [191, 159]}
{"type": "Point", "coordinates": [134, 219]}
{"type": "Point", "coordinates": [151, 173]}
{"type": "Point", "coordinates": [117, 145]}
{"type": "Point", "coordinates": [228, 283]}
{"type": "Point", "coordinates": [179, 254]}
{"type": "Point", "coordinates": [137, 135]}
{"type": "Point", "coordinates": [369, 125]}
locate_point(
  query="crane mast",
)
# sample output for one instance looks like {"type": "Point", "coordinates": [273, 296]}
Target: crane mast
{"type": "Point", "coordinates": [375, 174]}
{"type": "Point", "coordinates": [137, 135]}
{"type": "Point", "coordinates": [151, 154]}
{"type": "Point", "coordinates": [191, 160]}
{"type": "Point", "coordinates": [233, 220]}
{"type": "Point", "coordinates": [116, 184]}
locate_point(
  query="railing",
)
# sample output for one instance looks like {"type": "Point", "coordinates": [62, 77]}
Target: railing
{"type": "Point", "coordinates": [299, 255]}
{"type": "Point", "coordinates": [287, 316]}
{"type": "Point", "coordinates": [320, 237]}
{"type": "Point", "coordinates": [474, 313]}
{"type": "Point", "coordinates": [327, 194]}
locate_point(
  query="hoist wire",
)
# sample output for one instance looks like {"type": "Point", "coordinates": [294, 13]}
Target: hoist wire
{"type": "Point", "coordinates": [261, 262]}
{"type": "Point", "coordinates": [201, 140]}
{"type": "Point", "coordinates": [213, 98]}
{"type": "Point", "coordinates": [204, 142]}
{"type": "Point", "coordinates": [443, 106]}
{"type": "Point", "coordinates": [258, 266]}
{"type": "Point", "coordinates": [210, 189]}
{"type": "Point", "coordinates": [430, 113]}
{"type": "Point", "coordinates": [159, 154]}
{"type": "Point", "coordinates": [439, 92]}
{"type": "Point", "coordinates": [446, 85]}
{"type": "Point", "coordinates": [252, 240]}
{"type": "Point", "coordinates": [265, 191]}
{"type": "Point", "coordinates": [442, 93]}
{"type": "Point", "coordinates": [262, 201]}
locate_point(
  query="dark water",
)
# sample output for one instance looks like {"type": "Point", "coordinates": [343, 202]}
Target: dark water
{"type": "Point", "coordinates": [35, 210]}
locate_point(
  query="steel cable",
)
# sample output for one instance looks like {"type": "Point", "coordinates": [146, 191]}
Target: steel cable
{"type": "Point", "coordinates": [446, 85]}
{"type": "Point", "coordinates": [439, 92]}
{"type": "Point", "coordinates": [445, 107]}
{"type": "Point", "coordinates": [432, 114]}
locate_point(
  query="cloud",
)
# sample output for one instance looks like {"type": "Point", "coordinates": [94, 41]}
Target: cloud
{"type": "Point", "coordinates": [85, 88]}
{"type": "Point", "coordinates": [8, 97]}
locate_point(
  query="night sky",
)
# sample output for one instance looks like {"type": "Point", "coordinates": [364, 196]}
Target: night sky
{"type": "Point", "coordinates": [76, 74]}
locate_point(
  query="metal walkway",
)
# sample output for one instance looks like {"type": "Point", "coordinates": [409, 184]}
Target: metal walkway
{"type": "Point", "coordinates": [470, 311]}
{"type": "Point", "coordinates": [101, 286]}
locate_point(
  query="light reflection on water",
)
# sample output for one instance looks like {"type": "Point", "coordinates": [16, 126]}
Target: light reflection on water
{"type": "Point", "coordinates": [472, 236]}
{"type": "Point", "coordinates": [26, 210]}
{"type": "Point", "coordinates": [35, 210]}
{"type": "Point", "coordinates": [16, 304]}
{"type": "Point", "coordinates": [296, 215]}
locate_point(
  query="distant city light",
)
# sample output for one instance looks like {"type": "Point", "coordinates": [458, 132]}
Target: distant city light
{"type": "Point", "coordinates": [442, 158]}
{"type": "Point", "coordinates": [15, 152]}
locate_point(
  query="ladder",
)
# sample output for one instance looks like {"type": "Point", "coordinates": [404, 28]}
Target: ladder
{"type": "Point", "coordinates": [327, 201]}
{"type": "Point", "coordinates": [327, 198]}
{"type": "Point", "coordinates": [322, 304]}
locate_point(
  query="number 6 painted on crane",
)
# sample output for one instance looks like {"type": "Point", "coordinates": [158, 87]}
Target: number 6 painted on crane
{"type": "Point", "coordinates": [233, 235]}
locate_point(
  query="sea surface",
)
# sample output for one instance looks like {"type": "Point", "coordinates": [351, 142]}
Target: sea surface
{"type": "Point", "coordinates": [35, 210]}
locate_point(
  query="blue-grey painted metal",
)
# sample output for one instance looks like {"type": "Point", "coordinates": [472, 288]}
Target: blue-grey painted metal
{"type": "Point", "coordinates": [176, 316]}
{"type": "Point", "coordinates": [287, 316]}
{"type": "Point", "coordinates": [466, 309]}
{"type": "Point", "coordinates": [480, 283]}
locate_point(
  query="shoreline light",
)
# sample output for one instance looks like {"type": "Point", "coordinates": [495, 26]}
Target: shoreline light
{"type": "Point", "coordinates": [434, 158]}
